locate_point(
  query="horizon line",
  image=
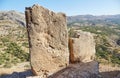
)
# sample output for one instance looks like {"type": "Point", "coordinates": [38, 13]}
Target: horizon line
{"type": "Point", "coordinates": [67, 14]}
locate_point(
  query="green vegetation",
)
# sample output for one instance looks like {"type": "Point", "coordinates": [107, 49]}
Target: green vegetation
{"type": "Point", "coordinates": [103, 52]}
{"type": "Point", "coordinates": [13, 39]}
{"type": "Point", "coordinates": [71, 32]}
{"type": "Point", "coordinates": [16, 51]}
{"type": "Point", "coordinates": [13, 54]}
{"type": "Point", "coordinates": [13, 47]}
{"type": "Point", "coordinates": [25, 44]}
{"type": "Point", "coordinates": [102, 30]}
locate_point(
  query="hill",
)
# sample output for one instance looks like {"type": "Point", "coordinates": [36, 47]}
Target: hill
{"type": "Point", "coordinates": [13, 38]}
{"type": "Point", "coordinates": [90, 20]}
{"type": "Point", "coordinates": [13, 16]}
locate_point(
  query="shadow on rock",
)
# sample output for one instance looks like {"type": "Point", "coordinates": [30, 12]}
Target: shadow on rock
{"type": "Point", "coordinates": [79, 70]}
{"type": "Point", "coordinates": [110, 74]}
{"type": "Point", "coordinates": [18, 74]}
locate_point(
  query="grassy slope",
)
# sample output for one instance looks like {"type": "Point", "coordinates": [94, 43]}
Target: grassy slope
{"type": "Point", "coordinates": [13, 38]}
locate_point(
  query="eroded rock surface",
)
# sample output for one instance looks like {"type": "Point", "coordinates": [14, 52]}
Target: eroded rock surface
{"type": "Point", "coordinates": [48, 40]}
{"type": "Point", "coordinates": [82, 47]}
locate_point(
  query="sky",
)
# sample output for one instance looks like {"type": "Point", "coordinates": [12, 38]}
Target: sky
{"type": "Point", "coordinates": [70, 7]}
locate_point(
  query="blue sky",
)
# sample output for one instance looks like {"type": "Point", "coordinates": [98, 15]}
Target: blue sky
{"type": "Point", "coordinates": [70, 7]}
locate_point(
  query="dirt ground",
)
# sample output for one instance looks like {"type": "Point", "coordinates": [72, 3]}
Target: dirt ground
{"type": "Point", "coordinates": [106, 71]}
{"type": "Point", "coordinates": [109, 71]}
{"type": "Point", "coordinates": [18, 68]}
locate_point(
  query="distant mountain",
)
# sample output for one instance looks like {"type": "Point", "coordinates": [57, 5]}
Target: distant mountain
{"type": "Point", "coordinates": [78, 20]}
{"type": "Point", "coordinates": [11, 22]}
{"type": "Point", "coordinates": [90, 20]}
{"type": "Point", "coordinates": [13, 16]}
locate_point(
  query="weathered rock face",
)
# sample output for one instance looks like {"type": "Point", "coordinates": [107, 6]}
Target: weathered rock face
{"type": "Point", "coordinates": [82, 47]}
{"type": "Point", "coordinates": [48, 40]}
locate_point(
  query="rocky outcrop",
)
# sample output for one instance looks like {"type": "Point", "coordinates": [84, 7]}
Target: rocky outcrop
{"type": "Point", "coordinates": [118, 76]}
{"type": "Point", "coordinates": [48, 40]}
{"type": "Point", "coordinates": [82, 47]}
{"type": "Point", "coordinates": [24, 74]}
{"type": "Point", "coordinates": [78, 70]}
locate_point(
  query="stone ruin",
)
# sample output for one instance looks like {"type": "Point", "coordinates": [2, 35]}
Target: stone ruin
{"type": "Point", "coordinates": [50, 55]}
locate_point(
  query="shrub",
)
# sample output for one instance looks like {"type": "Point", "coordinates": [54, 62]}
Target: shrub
{"type": "Point", "coordinates": [71, 32]}
{"type": "Point", "coordinates": [7, 65]}
{"type": "Point", "coordinates": [16, 51]}
{"type": "Point", "coordinates": [13, 54]}
{"type": "Point", "coordinates": [25, 44]}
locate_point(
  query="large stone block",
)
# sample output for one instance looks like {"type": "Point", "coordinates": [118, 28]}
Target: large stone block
{"type": "Point", "coordinates": [48, 40]}
{"type": "Point", "coordinates": [82, 47]}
